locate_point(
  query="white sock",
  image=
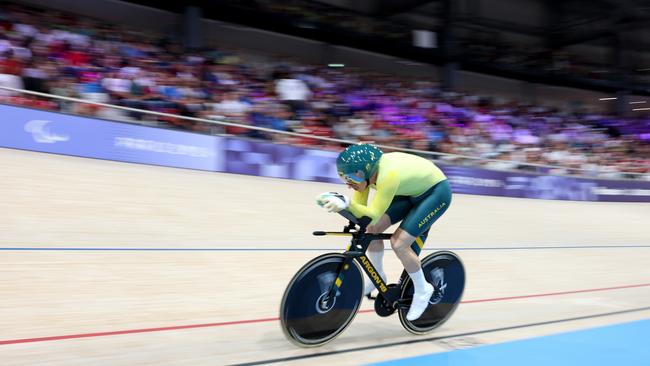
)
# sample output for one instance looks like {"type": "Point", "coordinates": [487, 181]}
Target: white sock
{"type": "Point", "coordinates": [419, 282]}
{"type": "Point", "coordinates": [377, 260]}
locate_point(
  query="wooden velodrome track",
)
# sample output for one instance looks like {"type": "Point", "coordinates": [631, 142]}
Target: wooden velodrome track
{"type": "Point", "coordinates": [534, 267]}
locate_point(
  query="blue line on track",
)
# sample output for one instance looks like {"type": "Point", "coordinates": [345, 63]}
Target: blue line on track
{"type": "Point", "coordinates": [425, 340]}
{"type": "Point", "coordinates": [620, 344]}
{"type": "Point", "coordinates": [303, 249]}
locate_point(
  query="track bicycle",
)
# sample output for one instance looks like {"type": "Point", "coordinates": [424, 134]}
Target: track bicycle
{"type": "Point", "coordinates": [324, 296]}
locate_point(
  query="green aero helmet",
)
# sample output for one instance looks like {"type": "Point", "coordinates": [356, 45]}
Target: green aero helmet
{"type": "Point", "coordinates": [357, 158]}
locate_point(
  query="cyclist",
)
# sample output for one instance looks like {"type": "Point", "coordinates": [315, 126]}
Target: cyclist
{"type": "Point", "coordinates": [410, 189]}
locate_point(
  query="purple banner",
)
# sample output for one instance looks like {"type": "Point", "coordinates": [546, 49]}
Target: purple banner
{"type": "Point", "coordinates": [527, 185]}
{"type": "Point", "coordinates": [282, 161]}
{"type": "Point", "coordinates": [279, 161]}
{"type": "Point", "coordinates": [30, 129]}
{"type": "Point", "coordinates": [57, 133]}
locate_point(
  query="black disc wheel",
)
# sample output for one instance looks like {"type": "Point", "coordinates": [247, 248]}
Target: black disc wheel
{"type": "Point", "coordinates": [446, 272]}
{"type": "Point", "coordinates": [309, 316]}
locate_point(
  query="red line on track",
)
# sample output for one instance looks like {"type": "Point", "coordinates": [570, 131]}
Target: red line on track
{"type": "Point", "coordinates": [145, 330]}
{"type": "Point", "coordinates": [556, 293]}
{"type": "Point", "coordinates": [263, 320]}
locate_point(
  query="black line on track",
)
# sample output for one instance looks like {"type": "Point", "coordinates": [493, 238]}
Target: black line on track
{"type": "Point", "coordinates": [430, 339]}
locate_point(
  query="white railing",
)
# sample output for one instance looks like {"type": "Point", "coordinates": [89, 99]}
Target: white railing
{"type": "Point", "coordinates": [455, 158]}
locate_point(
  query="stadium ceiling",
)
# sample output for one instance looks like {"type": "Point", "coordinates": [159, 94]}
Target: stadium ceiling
{"type": "Point", "coordinates": [604, 19]}
{"type": "Point", "coordinates": [568, 22]}
{"type": "Point", "coordinates": [391, 7]}
{"type": "Point", "coordinates": [560, 23]}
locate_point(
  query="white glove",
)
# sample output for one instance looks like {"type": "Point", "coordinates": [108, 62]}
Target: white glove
{"type": "Point", "coordinates": [333, 201]}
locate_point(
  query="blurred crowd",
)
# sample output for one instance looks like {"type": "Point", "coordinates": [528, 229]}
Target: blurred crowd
{"type": "Point", "coordinates": [66, 55]}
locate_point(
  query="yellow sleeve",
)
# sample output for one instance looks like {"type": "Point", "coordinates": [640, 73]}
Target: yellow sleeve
{"type": "Point", "coordinates": [380, 202]}
{"type": "Point", "coordinates": [361, 197]}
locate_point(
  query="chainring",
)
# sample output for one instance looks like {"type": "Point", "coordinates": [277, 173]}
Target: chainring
{"type": "Point", "coordinates": [382, 307]}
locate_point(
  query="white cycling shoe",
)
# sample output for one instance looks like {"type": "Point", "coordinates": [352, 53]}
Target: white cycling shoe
{"type": "Point", "coordinates": [420, 303]}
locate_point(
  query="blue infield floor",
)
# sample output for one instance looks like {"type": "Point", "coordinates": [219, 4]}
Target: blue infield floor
{"type": "Point", "coordinates": [626, 344]}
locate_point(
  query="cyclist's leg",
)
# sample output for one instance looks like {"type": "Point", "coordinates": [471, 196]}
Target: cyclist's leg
{"type": "Point", "coordinates": [397, 210]}
{"type": "Point", "coordinates": [379, 227]}
{"type": "Point", "coordinates": [418, 244]}
{"type": "Point", "coordinates": [375, 252]}
{"type": "Point", "coordinates": [401, 243]}
{"type": "Point", "coordinates": [428, 208]}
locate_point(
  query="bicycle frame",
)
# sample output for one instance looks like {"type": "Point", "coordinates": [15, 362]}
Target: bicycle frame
{"type": "Point", "coordinates": [316, 287]}
{"type": "Point", "coordinates": [357, 251]}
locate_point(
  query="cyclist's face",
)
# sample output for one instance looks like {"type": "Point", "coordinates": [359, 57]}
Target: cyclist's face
{"type": "Point", "coordinates": [355, 181]}
{"type": "Point", "coordinates": [357, 186]}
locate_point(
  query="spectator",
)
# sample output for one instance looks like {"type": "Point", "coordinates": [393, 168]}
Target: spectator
{"type": "Point", "coordinates": [294, 92]}
{"type": "Point", "coordinates": [9, 72]}
{"type": "Point", "coordinates": [110, 64]}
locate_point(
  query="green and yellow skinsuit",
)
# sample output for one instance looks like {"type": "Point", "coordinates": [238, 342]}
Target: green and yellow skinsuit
{"type": "Point", "coordinates": [409, 188]}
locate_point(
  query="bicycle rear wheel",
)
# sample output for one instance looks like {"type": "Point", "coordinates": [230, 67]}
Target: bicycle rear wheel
{"type": "Point", "coordinates": [446, 272]}
{"type": "Point", "coordinates": [308, 318]}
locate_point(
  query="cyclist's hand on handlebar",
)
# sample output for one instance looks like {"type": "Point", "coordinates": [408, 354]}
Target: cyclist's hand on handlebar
{"type": "Point", "coordinates": [333, 201]}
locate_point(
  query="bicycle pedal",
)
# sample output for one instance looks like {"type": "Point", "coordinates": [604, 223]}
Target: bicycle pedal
{"type": "Point", "coordinates": [404, 303]}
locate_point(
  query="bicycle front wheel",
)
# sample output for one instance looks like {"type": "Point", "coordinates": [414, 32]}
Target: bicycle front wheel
{"type": "Point", "coordinates": [307, 316]}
